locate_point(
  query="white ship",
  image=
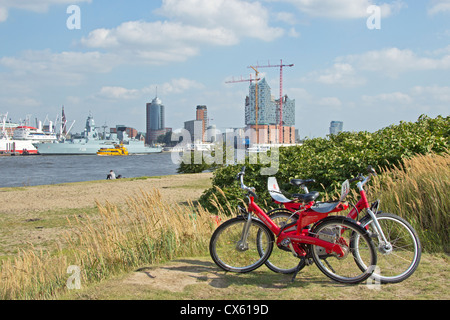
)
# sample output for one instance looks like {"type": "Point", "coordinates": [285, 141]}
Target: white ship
{"type": "Point", "coordinates": [90, 142]}
{"type": "Point", "coordinates": [33, 134]}
{"type": "Point", "coordinates": [10, 146]}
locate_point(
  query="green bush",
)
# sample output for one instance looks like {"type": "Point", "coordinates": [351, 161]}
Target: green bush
{"type": "Point", "coordinates": [336, 158]}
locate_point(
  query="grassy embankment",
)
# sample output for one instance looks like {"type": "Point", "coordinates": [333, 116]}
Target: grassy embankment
{"type": "Point", "coordinates": [148, 229]}
{"type": "Point", "coordinates": [142, 228]}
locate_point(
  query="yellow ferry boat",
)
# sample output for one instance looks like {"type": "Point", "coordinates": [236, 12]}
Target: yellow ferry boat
{"type": "Point", "coordinates": [118, 150]}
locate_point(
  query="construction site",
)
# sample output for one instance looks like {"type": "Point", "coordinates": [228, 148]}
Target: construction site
{"type": "Point", "coordinates": [270, 121]}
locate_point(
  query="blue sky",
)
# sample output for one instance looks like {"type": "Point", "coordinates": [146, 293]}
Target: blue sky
{"type": "Point", "coordinates": [189, 49]}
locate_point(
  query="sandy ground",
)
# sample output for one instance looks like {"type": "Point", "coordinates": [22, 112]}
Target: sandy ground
{"type": "Point", "coordinates": [177, 188]}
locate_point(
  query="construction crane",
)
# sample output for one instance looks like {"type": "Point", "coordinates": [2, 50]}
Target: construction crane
{"type": "Point", "coordinates": [281, 66]}
{"type": "Point", "coordinates": [256, 96]}
{"type": "Point", "coordinates": [256, 103]}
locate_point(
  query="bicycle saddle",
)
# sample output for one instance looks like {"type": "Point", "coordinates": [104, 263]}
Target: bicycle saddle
{"type": "Point", "coordinates": [299, 182]}
{"type": "Point", "coordinates": [307, 197]}
{"type": "Point", "coordinates": [325, 207]}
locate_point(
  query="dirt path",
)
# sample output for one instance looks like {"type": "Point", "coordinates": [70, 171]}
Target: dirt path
{"type": "Point", "coordinates": [200, 279]}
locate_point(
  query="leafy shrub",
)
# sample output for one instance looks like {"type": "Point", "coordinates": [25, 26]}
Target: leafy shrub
{"type": "Point", "coordinates": [336, 158]}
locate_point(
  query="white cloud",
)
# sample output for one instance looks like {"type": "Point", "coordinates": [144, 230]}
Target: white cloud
{"type": "Point", "coordinates": [40, 6]}
{"type": "Point", "coordinates": [174, 86]}
{"type": "Point", "coordinates": [177, 86]}
{"type": "Point", "coordinates": [242, 18]}
{"type": "Point", "coordinates": [3, 14]}
{"type": "Point", "coordinates": [435, 93]}
{"type": "Point", "coordinates": [118, 93]}
{"type": "Point", "coordinates": [394, 61]}
{"type": "Point", "coordinates": [287, 17]}
{"type": "Point", "coordinates": [430, 100]}
{"type": "Point", "coordinates": [156, 42]}
{"type": "Point", "coordinates": [330, 102]}
{"type": "Point", "coordinates": [192, 24]}
{"type": "Point", "coordinates": [21, 102]}
{"type": "Point", "coordinates": [395, 97]}
{"type": "Point", "coordinates": [344, 9]}
{"type": "Point", "coordinates": [342, 74]}
{"type": "Point", "coordinates": [37, 68]}
{"type": "Point", "coordinates": [439, 6]}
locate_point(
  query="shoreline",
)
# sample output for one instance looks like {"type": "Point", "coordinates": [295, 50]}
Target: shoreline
{"type": "Point", "coordinates": [31, 199]}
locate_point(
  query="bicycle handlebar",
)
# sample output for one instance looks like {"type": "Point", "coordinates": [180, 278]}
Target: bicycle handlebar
{"type": "Point", "coordinates": [363, 179]}
{"type": "Point", "coordinates": [251, 190]}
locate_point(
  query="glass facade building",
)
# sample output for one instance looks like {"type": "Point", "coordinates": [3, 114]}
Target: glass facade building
{"type": "Point", "coordinates": [336, 127]}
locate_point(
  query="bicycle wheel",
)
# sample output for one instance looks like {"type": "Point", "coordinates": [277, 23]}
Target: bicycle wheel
{"type": "Point", "coordinates": [230, 253]}
{"type": "Point", "coordinates": [282, 260]}
{"type": "Point", "coordinates": [399, 261]}
{"type": "Point", "coordinates": [344, 231]}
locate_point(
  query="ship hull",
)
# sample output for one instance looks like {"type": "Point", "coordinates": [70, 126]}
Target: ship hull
{"type": "Point", "coordinates": [17, 147]}
{"type": "Point", "coordinates": [68, 148]}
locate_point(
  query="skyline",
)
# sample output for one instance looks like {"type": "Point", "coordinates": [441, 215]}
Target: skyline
{"type": "Point", "coordinates": [188, 49]}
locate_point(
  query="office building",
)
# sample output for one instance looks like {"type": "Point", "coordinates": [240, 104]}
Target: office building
{"type": "Point", "coordinates": [155, 120]}
{"type": "Point", "coordinates": [202, 115]}
{"type": "Point", "coordinates": [195, 129]}
{"type": "Point", "coordinates": [336, 127]}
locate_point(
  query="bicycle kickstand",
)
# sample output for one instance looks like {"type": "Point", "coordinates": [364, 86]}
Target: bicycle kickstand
{"type": "Point", "coordinates": [298, 268]}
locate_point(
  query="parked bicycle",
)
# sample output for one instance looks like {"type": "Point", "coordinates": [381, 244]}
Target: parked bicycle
{"type": "Point", "coordinates": [399, 247]}
{"type": "Point", "coordinates": [339, 247]}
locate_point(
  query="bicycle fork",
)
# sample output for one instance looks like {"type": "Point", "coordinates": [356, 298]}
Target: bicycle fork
{"type": "Point", "coordinates": [384, 245]}
{"type": "Point", "coordinates": [242, 245]}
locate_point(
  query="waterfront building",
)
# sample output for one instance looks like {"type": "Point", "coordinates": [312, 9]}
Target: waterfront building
{"type": "Point", "coordinates": [195, 129]}
{"type": "Point", "coordinates": [336, 127]}
{"type": "Point", "coordinates": [202, 115]}
{"type": "Point", "coordinates": [267, 126]}
{"type": "Point", "coordinates": [155, 120]}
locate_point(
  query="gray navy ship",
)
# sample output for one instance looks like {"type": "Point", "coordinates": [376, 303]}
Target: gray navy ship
{"type": "Point", "coordinates": [90, 142]}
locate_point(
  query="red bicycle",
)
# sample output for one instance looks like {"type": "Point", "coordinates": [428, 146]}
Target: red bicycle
{"type": "Point", "coordinates": [337, 245]}
{"type": "Point", "coordinates": [399, 247]}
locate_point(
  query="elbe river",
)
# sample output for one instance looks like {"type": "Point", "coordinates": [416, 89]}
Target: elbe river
{"type": "Point", "coordinates": [22, 171]}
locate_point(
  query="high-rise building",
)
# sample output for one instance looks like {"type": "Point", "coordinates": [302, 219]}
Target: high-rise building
{"type": "Point", "coordinates": [194, 127]}
{"type": "Point", "coordinates": [155, 120]}
{"type": "Point", "coordinates": [202, 115]}
{"type": "Point", "coordinates": [336, 127]}
{"type": "Point", "coordinates": [268, 125]}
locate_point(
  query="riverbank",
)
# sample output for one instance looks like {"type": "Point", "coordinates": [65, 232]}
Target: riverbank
{"type": "Point", "coordinates": [23, 200]}
{"type": "Point", "coordinates": [38, 215]}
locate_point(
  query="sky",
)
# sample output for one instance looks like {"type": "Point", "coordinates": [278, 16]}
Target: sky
{"type": "Point", "coordinates": [367, 63]}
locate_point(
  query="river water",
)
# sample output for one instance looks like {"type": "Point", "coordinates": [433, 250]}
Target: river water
{"type": "Point", "coordinates": [43, 170]}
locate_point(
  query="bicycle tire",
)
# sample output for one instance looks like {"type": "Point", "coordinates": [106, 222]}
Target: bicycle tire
{"type": "Point", "coordinates": [281, 261]}
{"type": "Point", "coordinates": [343, 269]}
{"type": "Point", "coordinates": [400, 263]}
{"type": "Point", "coordinates": [224, 245]}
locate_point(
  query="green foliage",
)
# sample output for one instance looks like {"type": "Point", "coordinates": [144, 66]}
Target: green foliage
{"type": "Point", "coordinates": [336, 158]}
{"type": "Point", "coordinates": [190, 165]}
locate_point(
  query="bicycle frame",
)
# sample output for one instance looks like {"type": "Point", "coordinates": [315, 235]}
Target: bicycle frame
{"type": "Point", "coordinates": [298, 236]}
{"type": "Point", "coordinates": [362, 204]}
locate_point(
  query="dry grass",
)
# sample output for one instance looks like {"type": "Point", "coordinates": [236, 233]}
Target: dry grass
{"type": "Point", "coordinates": [419, 192]}
{"type": "Point", "coordinates": [148, 231]}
